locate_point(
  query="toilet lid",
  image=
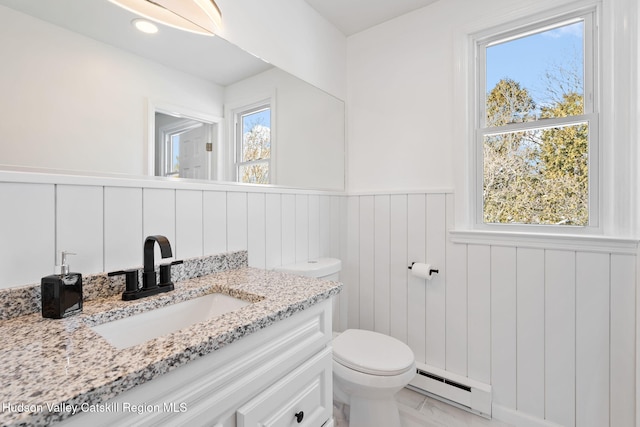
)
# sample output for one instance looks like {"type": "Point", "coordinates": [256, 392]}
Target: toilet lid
{"type": "Point", "coordinates": [372, 353]}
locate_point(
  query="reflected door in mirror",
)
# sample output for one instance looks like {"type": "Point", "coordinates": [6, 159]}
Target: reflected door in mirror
{"type": "Point", "coordinates": [184, 147]}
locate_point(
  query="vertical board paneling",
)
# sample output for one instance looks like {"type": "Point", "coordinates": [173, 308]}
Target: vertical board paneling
{"type": "Point", "coordinates": [623, 297]}
{"type": "Point", "coordinates": [257, 233]}
{"type": "Point", "coordinates": [302, 227]}
{"type": "Point", "coordinates": [159, 214]}
{"type": "Point", "coordinates": [503, 326]}
{"type": "Point", "coordinates": [80, 225]}
{"type": "Point", "coordinates": [560, 330]}
{"type": "Point", "coordinates": [215, 222]}
{"type": "Point", "coordinates": [592, 339]}
{"type": "Point", "coordinates": [341, 206]}
{"type": "Point", "coordinates": [314, 227]}
{"type": "Point", "coordinates": [398, 272]}
{"type": "Point", "coordinates": [288, 229]}
{"type": "Point", "coordinates": [189, 226]}
{"type": "Point", "coordinates": [456, 304]}
{"type": "Point", "coordinates": [237, 221]}
{"type": "Point", "coordinates": [352, 270]}
{"type": "Point", "coordinates": [530, 331]}
{"type": "Point", "coordinates": [122, 228]}
{"type": "Point", "coordinates": [436, 223]}
{"type": "Point", "coordinates": [553, 331]}
{"type": "Point", "coordinates": [416, 289]}
{"type": "Point", "coordinates": [337, 220]}
{"type": "Point", "coordinates": [35, 212]}
{"type": "Point", "coordinates": [381, 263]}
{"type": "Point", "coordinates": [273, 232]}
{"type": "Point", "coordinates": [366, 257]}
{"type": "Point", "coordinates": [479, 313]}
{"type": "Point", "coordinates": [324, 227]}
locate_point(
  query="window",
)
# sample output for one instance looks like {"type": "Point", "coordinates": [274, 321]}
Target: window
{"type": "Point", "coordinates": [253, 145]}
{"type": "Point", "coordinates": [537, 125]}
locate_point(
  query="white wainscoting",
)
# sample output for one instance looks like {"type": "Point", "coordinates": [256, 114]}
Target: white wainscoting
{"type": "Point", "coordinates": [550, 327]}
{"type": "Point", "coordinates": [105, 222]}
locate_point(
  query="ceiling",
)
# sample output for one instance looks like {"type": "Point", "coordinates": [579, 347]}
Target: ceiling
{"type": "Point", "coordinates": [353, 16]}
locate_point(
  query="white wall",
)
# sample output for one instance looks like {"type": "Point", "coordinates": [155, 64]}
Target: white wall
{"type": "Point", "coordinates": [290, 35]}
{"type": "Point", "coordinates": [399, 102]}
{"type": "Point", "coordinates": [70, 102]}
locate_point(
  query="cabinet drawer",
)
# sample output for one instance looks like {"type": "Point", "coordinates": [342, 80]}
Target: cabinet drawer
{"type": "Point", "coordinates": [302, 398]}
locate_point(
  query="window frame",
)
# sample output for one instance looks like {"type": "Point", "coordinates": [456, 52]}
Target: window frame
{"type": "Point", "coordinates": [237, 138]}
{"type": "Point", "coordinates": [480, 42]}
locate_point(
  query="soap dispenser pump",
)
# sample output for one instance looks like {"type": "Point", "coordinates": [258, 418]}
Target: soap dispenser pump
{"type": "Point", "coordinates": [61, 292]}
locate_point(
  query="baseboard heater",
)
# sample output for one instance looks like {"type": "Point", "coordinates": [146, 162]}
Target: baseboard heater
{"type": "Point", "coordinates": [459, 391]}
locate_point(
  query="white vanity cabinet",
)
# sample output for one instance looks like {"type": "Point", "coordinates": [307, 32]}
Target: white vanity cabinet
{"type": "Point", "coordinates": [277, 376]}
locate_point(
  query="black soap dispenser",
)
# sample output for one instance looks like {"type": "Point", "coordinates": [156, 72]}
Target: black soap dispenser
{"type": "Point", "coordinates": [61, 292]}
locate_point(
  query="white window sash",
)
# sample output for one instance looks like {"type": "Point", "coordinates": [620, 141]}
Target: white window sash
{"type": "Point", "coordinates": [590, 116]}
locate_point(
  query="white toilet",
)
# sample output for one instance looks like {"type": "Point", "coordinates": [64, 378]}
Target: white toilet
{"type": "Point", "coordinates": [369, 368]}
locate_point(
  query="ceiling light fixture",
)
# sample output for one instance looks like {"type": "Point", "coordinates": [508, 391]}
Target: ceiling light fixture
{"type": "Point", "coordinates": [196, 16]}
{"type": "Point", "coordinates": [145, 26]}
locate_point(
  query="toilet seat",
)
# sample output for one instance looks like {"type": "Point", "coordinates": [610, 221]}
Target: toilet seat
{"type": "Point", "coordinates": [372, 353]}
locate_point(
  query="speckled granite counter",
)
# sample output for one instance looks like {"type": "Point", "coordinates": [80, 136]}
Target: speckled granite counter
{"type": "Point", "coordinates": [51, 367]}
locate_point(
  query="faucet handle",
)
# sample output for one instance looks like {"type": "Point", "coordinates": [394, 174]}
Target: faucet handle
{"type": "Point", "coordinates": [131, 280]}
{"type": "Point", "coordinates": [165, 273]}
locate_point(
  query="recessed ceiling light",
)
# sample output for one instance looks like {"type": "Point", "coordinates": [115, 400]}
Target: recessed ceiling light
{"type": "Point", "coordinates": [145, 26]}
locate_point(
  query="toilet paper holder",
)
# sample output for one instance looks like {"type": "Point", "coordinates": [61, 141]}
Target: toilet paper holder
{"type": "Point", "coordinates": [431, 271]}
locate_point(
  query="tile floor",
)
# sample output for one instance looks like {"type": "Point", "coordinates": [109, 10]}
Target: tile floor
{"type": "Point", "coordinates": [417, 410]}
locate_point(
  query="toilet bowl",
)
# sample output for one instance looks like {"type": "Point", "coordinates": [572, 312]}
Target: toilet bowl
{"type": "Point", "coordinates": [369, 368]}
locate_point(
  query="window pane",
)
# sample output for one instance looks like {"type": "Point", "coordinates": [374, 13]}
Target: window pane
{"type": "Point", "coordinates": [255, 173]}
{"type": "Point", "coordinates": [174, 156]}
{"type": "Point", "coordinates": [256, 136]}
{"type": "Point", "coordinates": [537, 177]}
{"type": "Point", "coordinates": [529, 78]}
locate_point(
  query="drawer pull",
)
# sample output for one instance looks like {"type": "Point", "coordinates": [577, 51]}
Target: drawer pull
{"type": "Point", "coordinates": [299, 416]}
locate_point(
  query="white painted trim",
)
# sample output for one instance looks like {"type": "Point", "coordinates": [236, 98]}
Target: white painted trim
{"type": "Point", "coordinates": [231, 109]}
{"type": "Point", "coordinates": [507, 31]}
{"type": "Point", "coordinates": [518, 418]}
{"type": "Point", "coordinates": [616, 245]}
{"type": "Point", "coordinates": [401, 191]}
{"type": "Point", "coordinates": [52, 176]}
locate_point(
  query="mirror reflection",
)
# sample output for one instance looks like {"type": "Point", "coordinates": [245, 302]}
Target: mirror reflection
{"type": "Point", "coordinates": [86, 92]}
{"type": "Point", "coordinates": [183, 147]}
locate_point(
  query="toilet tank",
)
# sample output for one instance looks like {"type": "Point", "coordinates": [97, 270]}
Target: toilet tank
{"type": "Point", "coordinates": [321, 268]}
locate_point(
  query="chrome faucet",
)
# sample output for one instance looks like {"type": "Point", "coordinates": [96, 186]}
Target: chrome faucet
{"type": "Point", "coordinates": [149, 282]}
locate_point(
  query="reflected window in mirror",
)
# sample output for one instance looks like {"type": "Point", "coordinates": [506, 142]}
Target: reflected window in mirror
{"type": "Point", "coordinates": [253, 144]}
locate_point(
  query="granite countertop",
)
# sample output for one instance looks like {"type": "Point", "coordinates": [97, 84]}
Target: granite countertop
{"type": "Point", "coordinates": [51, 366]}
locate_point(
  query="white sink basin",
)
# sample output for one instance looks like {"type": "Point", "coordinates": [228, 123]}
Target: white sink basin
{"type": "Point", "coordinates": [140, 328]}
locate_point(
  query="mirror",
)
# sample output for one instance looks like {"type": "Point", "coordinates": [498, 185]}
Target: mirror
{"type": "Point", "coordinates": [86, 93]}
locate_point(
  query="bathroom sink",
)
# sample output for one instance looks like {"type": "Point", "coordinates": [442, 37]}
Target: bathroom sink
{"type": "Point", "coordinates": [139, 328]}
